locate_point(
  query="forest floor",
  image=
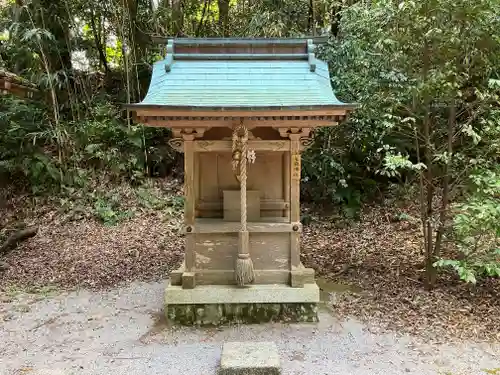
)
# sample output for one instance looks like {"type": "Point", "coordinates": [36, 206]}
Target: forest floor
{"type": "Point", "coordinates": [376, 262]}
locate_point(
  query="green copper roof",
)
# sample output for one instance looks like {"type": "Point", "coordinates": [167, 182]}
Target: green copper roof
{"type": "Point", "coordinates": [215, 79]}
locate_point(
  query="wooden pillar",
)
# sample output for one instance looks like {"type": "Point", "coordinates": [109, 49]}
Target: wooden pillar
{"type": "Point", "coordinates": [286, 183]}
{"type": "Point", "coordinates": [295, 178]}
{"type": "Point", "coordinates": [295, 166]}
{"type": "Point", "coordinates": [188, 277]}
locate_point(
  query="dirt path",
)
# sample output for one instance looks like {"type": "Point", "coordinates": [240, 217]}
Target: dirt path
{"type": "Point", "coordinates": [121, 331]}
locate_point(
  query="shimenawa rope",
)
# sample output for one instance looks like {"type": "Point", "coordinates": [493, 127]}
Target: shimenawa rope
{"type": "Point", "coordinates": [244, 266]}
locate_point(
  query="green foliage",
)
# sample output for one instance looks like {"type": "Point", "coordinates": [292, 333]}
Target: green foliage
{"type": "Point", "coordinates": [428, 96]}
{"type": "Point", "coordinates": [105, 143]}
{"type": "Point", "coordinates": [25, 137]}
{"type": "Point", "coordinates": [476, 228]}
{"type": "Point", "coordinates": [379, 63]}
{"type": "Point", "coordinates": [38, 153]}
{"type": "Point", "coordinates": [168, 204]}
{"type": "Point", "coordinates": [493, 371]}
{"type": "Point", "coordinates": [107, 210]}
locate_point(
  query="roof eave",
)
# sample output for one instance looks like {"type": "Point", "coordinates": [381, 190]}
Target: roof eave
{"type": "Point", "coordinates": [193, 109]}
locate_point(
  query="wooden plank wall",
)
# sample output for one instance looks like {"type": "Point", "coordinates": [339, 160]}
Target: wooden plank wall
{"type": "Point", "coordinates": [216, 175]}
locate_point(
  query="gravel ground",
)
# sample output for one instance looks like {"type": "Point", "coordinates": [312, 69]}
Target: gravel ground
{"type": "Point", "coordinates": [121, 331]}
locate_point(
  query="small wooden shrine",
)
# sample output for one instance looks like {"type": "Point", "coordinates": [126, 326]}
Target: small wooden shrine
{"type": "Point", "coordinates": [11, 83]}
{"type": "Point", "coordinates": [241, 111]}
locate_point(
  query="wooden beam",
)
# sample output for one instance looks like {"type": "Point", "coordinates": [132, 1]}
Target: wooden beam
{"type": "Point", "coordinates": [289, 123]}
{"type": "Point", "coordinates": [227, 277]}
{"type": "Point", "coordinates": [250, 123]}
{"type": "Point", "coordinates": [190, 112]}
{"type": "Point", "coordinates": [220, 226]}
{"type": "Point", "coordinates": [257, 145]}
{"type": "Point", "coordinates": [265, 205]}
{"type": "Point", "coordinates": [240, 56]}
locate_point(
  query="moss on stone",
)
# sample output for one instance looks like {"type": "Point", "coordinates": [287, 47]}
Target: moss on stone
{"type": "Point", "coordinates": [247, 313]}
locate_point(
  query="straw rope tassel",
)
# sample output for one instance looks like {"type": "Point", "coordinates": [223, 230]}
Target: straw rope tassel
{"type": "Point", "coordinates": [244, 265]}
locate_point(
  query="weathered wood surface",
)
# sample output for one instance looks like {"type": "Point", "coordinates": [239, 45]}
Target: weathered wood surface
{"type": "Point", "coordinates": [216, 175]}
{"type": "Point", "coordinates": [218, 251]}
{"type": "Point", "coordinates": [220, 226]}
{"type": "Point", "coordinates": [251, 123]}
{"type": "Point", "coordinates": [265, 205]}
{"type": "Point", "coordinates": [189, 198]}
{"type": "Point", "coordinates": [295, 165]}
{"type": "Point", "coordinates": [256, 145]}
{"type": "Point", "coordinates": [233, 113]}
{"type": "Point", "coordinates": [232, 205]}
{"type": "Point", "coordinates": [226, 277]}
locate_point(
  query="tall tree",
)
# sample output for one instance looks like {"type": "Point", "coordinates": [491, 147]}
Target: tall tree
{"type": "Point", "coordinates": [223, 20]}
{"type": "Point", "coordinates": [54, 17]}
{"type": "Point", "coordinates": [423, 69]}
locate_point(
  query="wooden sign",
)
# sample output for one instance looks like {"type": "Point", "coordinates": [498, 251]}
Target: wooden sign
{"type": "Point", "coordinates": [296, 167]}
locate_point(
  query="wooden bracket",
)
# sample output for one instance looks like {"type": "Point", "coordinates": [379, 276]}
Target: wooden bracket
{"type": "Point", "coordinates": [304, 135]}
{"type": "Point", "coordinates": [286, 132]}
{"type": "Point", "coordinates": [177, 144]}
{"type": "Point", "coordinates": [185, 134]}
{"type": "Point", "coordinates": [196, 132]}
{"type": "Point", "coordinates": [305, 143]}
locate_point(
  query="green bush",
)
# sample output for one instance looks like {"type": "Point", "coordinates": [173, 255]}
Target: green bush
{"type": "Point", "coordinates": [27, 143]}
{"type": "Point", "coordinates": [476, 227]}
{"type": "Point", "coordinates": [42, 154]}
{"type": "Point", "coordinates": [107, 209]}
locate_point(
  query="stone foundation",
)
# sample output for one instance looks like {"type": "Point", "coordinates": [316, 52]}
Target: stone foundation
{"type": "Point", "coordinates": [212, 305]}
{"type": "Point", "coordinates": [240, 313]}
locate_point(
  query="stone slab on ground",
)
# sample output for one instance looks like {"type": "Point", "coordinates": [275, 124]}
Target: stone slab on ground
{"type": "Point", "coordinates": [216, 294]}
{"type": "Point", "coordinates": [250, 358]}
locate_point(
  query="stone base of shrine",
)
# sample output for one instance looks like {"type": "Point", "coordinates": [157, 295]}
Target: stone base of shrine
{"type": "Point", "coordinates": [212, 305]}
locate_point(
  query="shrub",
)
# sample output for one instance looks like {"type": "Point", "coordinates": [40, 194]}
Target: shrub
{"type": "Point", "coordinates": [476, 227]}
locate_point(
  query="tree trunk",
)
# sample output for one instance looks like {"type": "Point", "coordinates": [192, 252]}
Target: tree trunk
{"type": "Point", "coordinates": [335, 20]}
{"type": "Point", "coordinates": [18, 13]}
{"type": "Point", "coordinates": [98, 42]}
{"type": "Point", "coordinates": [311, 18]}
{"type": "Point", "coordinates": [428, 186]}
{"type": "Point", "coordinates": [206, 3]}
{"type": "Point", "coordinates": [53, 16]}
{"type": "Point", "coordinates": [428, 155]}
{"type": "Point", "coordinates": [223, 16]}
{"type": "Point", "coordinates": [177, 18]}
{"type": "Point", "coordinates": [445, 199]}
{"type": "Point", "coordinates": [138, 41]}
